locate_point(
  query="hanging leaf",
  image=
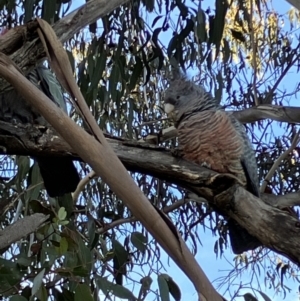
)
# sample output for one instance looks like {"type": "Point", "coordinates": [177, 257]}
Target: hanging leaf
{"type": "Point", "coordinates": [83, 292]}
{"type": "Point", "coordinates": [37, 282]}
{"type": "Point", "coordinates": [217, 24]}
{"type": "Point", "coordinates": [117, 290]}
{"type": "Point", "coordinates": [137, 71]}
{"type": "Point", "coordinates": [139, 241]}
{"type": "Point", "coordinates": [28, 7]}
{"type": "Point", "coordinates": [163, 288]}
{"type": "Point", "coordinates": [48, 11]}
{"type": "Point", "coordinates": [10, 276]}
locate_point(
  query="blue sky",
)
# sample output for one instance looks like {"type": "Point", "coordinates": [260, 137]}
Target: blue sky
{"type": "Point", "coordinates": [215, 268]}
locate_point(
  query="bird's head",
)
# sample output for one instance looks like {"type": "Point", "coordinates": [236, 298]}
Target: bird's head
{"type": "Point", "coordinates": [184, 98]}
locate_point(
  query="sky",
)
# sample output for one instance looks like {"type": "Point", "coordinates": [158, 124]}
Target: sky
{"type": "Point", "coordinates": [215, 268]}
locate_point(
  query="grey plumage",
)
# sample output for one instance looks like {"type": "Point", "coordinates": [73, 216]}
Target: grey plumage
{"type": "Point", "coordinates": [212, 137]}
{"type": "Point", "coordinates": [59, 173]}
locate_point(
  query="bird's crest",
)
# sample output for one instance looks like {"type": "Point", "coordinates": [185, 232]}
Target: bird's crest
{"type": "Point", "coordinates": [184, 97]}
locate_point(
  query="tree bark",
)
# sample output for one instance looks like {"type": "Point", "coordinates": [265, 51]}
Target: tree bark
{"type": "Point", "coordinates": [20, 229]}
{"type": "Point", "coordinates": [252, 213]}
{"type": "Point", "coordinates": [26, 54]}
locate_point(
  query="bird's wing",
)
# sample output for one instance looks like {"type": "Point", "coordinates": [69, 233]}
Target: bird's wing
{"type": "Point", "coordinates": [51, 87]}
{"type": "Point", "coordinates": [248, 160]}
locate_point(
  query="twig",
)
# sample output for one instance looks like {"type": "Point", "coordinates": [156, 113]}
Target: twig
{"type": "Point", "coordinates": [253, 46]}
{"type": "Point", "coordinates": [282, 75]}
{"type": "Point", "coordinates": [82, 184]}
{"type": "Point", "coordinates": [278, 161]}
{"type": "Point", "coordinates": [122, 221]}
{"type": "Point", "coordinates": [151, 122]}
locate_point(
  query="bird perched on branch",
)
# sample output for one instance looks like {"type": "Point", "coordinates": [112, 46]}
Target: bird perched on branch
{"type": "Point", "coordinates": [59, 173]}
{"type": "Point", "coordinates": [213, 138]}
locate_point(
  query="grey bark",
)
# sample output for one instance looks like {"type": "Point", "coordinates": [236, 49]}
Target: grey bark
{"type": "Point", "coordinates": [261, 218]}
{"type": "Point", "coordinates": [20, 229]}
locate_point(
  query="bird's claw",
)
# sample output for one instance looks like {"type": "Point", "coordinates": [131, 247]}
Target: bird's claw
{"type": "Point", "coordinates": [176, 152]}
{"type": "Point", "coordinates": [206, 165]}
{"type": "Point", "coordinates": [14, 121]}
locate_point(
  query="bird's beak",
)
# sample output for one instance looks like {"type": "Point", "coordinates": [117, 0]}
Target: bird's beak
{"type": "Point", "coordinates": [169, 108]}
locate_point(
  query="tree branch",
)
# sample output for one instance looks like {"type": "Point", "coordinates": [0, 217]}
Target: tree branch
{"type": "Point", "coordinates": [21, 228]}
{"type": "Point", "coordinates": [36, 140]}
{"type": "Point", "coordinates": [157, 162]}
{"type": "Point", "coordinates": [273, 112]}
{"type": "Point", "coordinates": [275, 228]}
{"type": "Point", "coordinates": [26, 54]}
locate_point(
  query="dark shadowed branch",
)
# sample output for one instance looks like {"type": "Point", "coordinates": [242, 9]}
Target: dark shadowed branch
{"type": "Point", "coordinates": [275, 228]}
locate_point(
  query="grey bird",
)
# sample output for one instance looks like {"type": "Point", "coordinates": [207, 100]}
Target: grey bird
{"type": "Point", "coordinates": [59, 173]}
{"type": "Point", "coordinates": [211, 137]}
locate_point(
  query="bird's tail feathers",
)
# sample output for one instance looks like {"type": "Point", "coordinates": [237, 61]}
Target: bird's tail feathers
{"type": "Point", "coordinates": [241, 240]}
{"type": "Point", "coordinates": [59, 174]}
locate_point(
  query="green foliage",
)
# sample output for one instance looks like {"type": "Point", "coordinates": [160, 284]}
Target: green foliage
{"type": "Point", "coordinates": [240, 53]}
{"type": "Point", "coordinates": [168, 286]}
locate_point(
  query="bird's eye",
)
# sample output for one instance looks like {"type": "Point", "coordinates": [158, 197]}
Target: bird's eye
{"type": "Point", "coordinates": [170, 100]}
{"type": "Point", "coordinates": [177, 97]}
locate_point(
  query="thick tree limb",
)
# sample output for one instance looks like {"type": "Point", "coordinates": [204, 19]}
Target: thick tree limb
{"type": "Point", "coordinates": [250, 212]}
{"type": "Point", "coordinates": [283, 201]}
{"type": "Point", "coordinates": [29, 140]}
{"type": "Point", "coordinates": [21, 228]}
{"type": "Point", "coordinates": [275, 228]}
{"type": "Point", "coordinates": [26, 54]}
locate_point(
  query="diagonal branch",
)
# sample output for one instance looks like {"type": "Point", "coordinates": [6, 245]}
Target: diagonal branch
{"type": "Point", "coordinates": [276, 164]}
{"type": "Point", "coordinates": [295, 3]}
{"type": "Point", "coordinates": [250, 212]}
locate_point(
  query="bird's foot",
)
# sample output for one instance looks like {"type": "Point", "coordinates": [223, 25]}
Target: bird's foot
{"type": "Point", "coordinates": [206, 165]}
{"type": "Point", "coordinates": [176, 152]}
{"type": "Point", "coordinates": [14, 121]}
